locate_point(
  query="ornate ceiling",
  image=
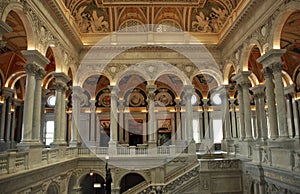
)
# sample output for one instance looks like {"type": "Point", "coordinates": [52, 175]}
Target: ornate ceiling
{"type": "Point", "coordinates": [196, 16]}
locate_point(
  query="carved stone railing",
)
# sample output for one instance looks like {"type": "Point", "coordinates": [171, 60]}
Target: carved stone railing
{"type": "Point", "coordinates": [139, 187]}
{"type": "Point", "coordinates": [286, 159]}
{"type": "Point", "coordinates": [11, 162]}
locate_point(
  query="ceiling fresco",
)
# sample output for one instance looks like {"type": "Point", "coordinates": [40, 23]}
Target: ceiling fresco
{"type": "Point", "coordinates": [100, 16]}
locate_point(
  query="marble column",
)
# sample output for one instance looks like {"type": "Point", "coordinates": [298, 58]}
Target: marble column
{"type": "Point", "coordinates": [9, 100]}
{"type": "Point", "coordinates": [241, 113]}
{"type": "Point", "coordinates": [233, 118]}
{"type": "Point", "coordinates": [151, 120]}
{"type": "Point", "coordinates": [45, 92]}
{"type": "Point", "coordinates": [189, 112]}
{"type": "Point", "coordinates": [224, 95]}
{"type": "Point", "coordinates": [272, 60]}
{"type": "Point", "coordinates": [93, 121]}
{"type": "Point", "coordinates": [37, 105]}
{"type": "Point", "coordinates": [34, 61]}
{"type": "Point", "coordinates": [3, 115]}
{"type": "Point", "coordinates": [261, 119]}
{"type": "Point", "coordinates": [121, 121]}
{"type": "Point", "coordinates": [243, 81]}
{"type": "Point", "coordinates": [206, 119]}
{"type": "Point", "coordinates": [227, 141]}
{"type": "Point", "coordinates": [178, 121]}
{"type": "Point", "coordinates": [61, 80]}
{"type": "Point", "coordinates": [113, 115]}
{"type": "Point", "coordinates": [296, 118]}
{"type": "Point", "coordinates": [63, 126]}
{"type": "Point", "coordinates": [280, 100]}
{"type": "Point", "coordinates": [76, 99]}
{"type": "Point", "coordinates": [288, 92]}
{"type": "Point", "coordinates": [271, 103]}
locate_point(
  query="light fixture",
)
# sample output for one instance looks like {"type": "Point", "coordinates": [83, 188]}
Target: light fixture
{"type": "Point", "coordinates": [12, 108]}
{"type": "Point", "coordinates": [91, 173]}
{"type": "Point", "coordinates": [2, 99]}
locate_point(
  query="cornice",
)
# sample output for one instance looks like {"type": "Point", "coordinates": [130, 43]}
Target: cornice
{"type": "Point", "coordinates": [61, 20]}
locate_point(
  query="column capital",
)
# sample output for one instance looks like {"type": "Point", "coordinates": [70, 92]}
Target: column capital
{"type": "Point", "coordinates": [222, 90]}
{"type": "Point", "coordinates": [35, 57]}
{"type": "Point", "coordinates": [268, 72]}
{"type": "Point", "coordinates": [258, 90]}
{"type": "Point", "coordinates": [31, 68]}
{"type": "Point", "coordinates": [242, 78]}
{"type": "Point", "coordinates": [271, 57]}
{"type": "Point", "coordinates": [40, 73]}
{"type": "Point", "coordinates": [114, 90]}
{"type": "Point", "coordinates": [188, 90]}
{"type": "Point", "coordinates": [60, 86]}
{"type": "Point", "coordinates": [61, 77]}
{"type": "Point", "coordinates": [7, 92]}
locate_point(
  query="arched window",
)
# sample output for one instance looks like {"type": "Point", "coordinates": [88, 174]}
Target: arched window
{"type": "Point", "coordinates": [132, 26]}
{"type": "Point", "coordinates": [168, 26]}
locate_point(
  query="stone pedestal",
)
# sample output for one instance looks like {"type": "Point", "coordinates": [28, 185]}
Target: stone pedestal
{"type": "Point", "coordinates": [34, 150]}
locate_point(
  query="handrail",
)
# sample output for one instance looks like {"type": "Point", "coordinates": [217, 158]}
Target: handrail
{"type": "Point", "coordinates": [139, 187]}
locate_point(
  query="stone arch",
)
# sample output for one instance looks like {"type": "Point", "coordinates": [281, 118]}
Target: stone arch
{"type": "Point", "coordinates": [27, 22]}
{"type": "Point", "coordinates": [53, 188]}
{"type": "Point", "coordinates": [173, 90]}
{"type": "Point", "coordinates": [286, 78]}
{"type": "Point", "coordinates": [87, 74]}
{"type": "Point", "coordinates": [10, 82]}
{"type": "Point", "coordinates": [131, 71]}
{"type": "Point", "coordinates": [253, 79]}
{"type": "Point", "coordinates": [140, 173]}
{"type": "Point", "coordinates": [201, 58]}
{"type": "Point", "coordinates": [279, 23]}
{"type": "Point", "coordinates": [226, 72]}
{"type": "Point", "coordinates": [247, 52]}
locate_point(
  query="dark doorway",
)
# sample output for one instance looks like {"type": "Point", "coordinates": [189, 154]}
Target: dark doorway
{"type": "Point", "coordinates": [92, 184]}
{"type": "Point", "coordinates": [130, 180]}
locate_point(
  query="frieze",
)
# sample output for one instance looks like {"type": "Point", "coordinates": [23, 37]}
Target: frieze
{"type": "Point", "coordinates": [223, 164]}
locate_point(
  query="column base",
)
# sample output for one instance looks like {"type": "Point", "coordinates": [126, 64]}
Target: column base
{"type": "Point", "coordinates": [26, 145]}
{"type": "Point", "coordinates": [74, 143]}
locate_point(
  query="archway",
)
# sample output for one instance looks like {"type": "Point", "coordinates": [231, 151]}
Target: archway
{"type": "Point", "coordinates": [130, 180]}
{"type": "Point", "coordinates": [53, 189]}
{"type": "Point", "coordinates": [92, 183]}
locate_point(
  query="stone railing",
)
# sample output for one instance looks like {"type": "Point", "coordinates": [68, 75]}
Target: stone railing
{"type": "Point", "coordinates": [14, 161]}
{"type": "Point", "coordinates": [11, 162]}
{"type": "Point", "coordinates": [140, 150]}
{"type": "Point", "coordinates": [286, 159]}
